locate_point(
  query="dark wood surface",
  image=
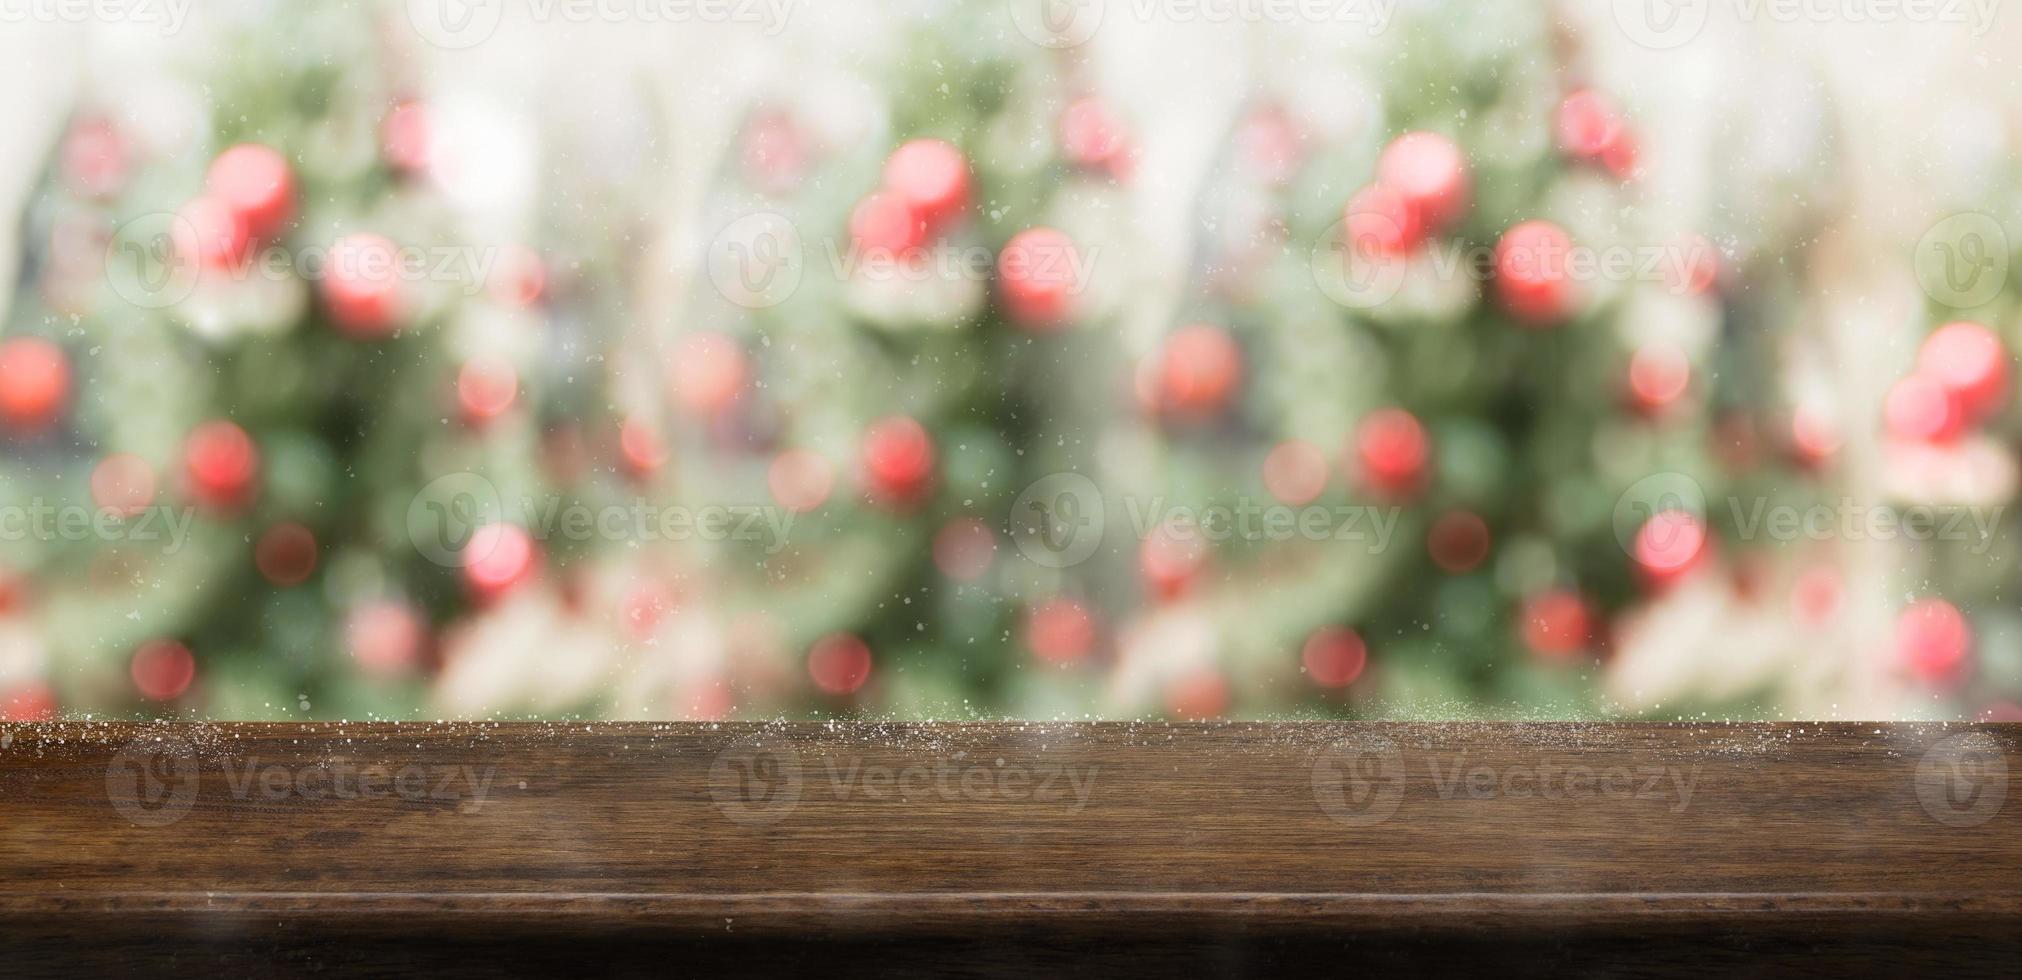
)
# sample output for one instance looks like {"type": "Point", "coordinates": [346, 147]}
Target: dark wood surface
{"type": "Point", "coordinates": [473, 849]}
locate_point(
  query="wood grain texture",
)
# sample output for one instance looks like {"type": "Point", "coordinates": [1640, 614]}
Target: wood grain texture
{"type": "Point", "coordinates": [471, 849]}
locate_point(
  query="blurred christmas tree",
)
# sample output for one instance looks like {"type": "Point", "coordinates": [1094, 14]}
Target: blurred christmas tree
{"type": "Point", "coordinates": [968, 377]}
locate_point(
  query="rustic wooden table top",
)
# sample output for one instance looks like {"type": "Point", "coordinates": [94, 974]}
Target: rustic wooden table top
{"type": "Point", "coordinates": [985, 847]}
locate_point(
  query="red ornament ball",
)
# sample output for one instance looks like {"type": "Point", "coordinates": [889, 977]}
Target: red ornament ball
{"type": "Point", "coordinates": [122, 484]}
{"type": "Point", "coordinates": [645, 605]}
{"type": "Point", "coordinates": [1334, 656]}
{"type": "Point", "coordinates": [385, 636]}
{"type": "Point", "coordinates": [95, 160]}
{"type": "Point", "coordinates": [221, 464]}
{"type": "Point", "coordinates": [1669, 544]}
{"type": "Point", "coordinates": [839, 663]}
{"type": "Point", "coordinates": [519, 278]}
{"type": "Point", "coordinates": [1270, 144]}
{"type": "Point", "coordinates": [256, 184]}
{"type": "Point", "coordinates": [286, 554]}
{"type": "Point", "coordinates": [1392, 452]}
{"type": "Point", "coordinates": [34, 383]}
{"type": "Point", "coordinates": [162, 669]}
{"type": "Point", "coordinates": [209, 232]}
{"type": "Point", "coordinates": [361, 286]}
{"type": "Point", "coordinates": [932, 176]}
{"type": "Point", "coordinates": [1699, 271]}
{"type": "Point", "coordinates": [1814, 433]}
{"type": "Point", "coordinates": [898, 461]}
{"type": "Point", "coordinates": [708, 372]}
{"type": "Point", "coordinates": [1458, 542]}
{"type": "Point", "coordinates": [1170, 559]}
{"type": "Point", "coordinates": [964, 549]}
{"type": "Point", "coordinates": [1920, 409]}
{"type": "Point", "coordinates": [1556, 625]}
{"type": "Point", "coordinates": [775, 152]}
{"type": "Point", "coordinates": [1295, 472]}
{"type": "Point", "coordinates": [1090, 136]}
{"type": "Point", "coordinates": [1199, 370]}
{"type": "Point", "coordinates": [1815, 596]}
{"type": "Point", "coordinates": [884, 224]}
{"type": "Point", "coordinates": [1060, 631]}
{"type": "Point", "coordinates": [1038, 277]}
{"type": "Point", "coordinates": [641, 446]}
{"type": "Point", "coordinates": [1201, 695]}
{"type": "Point", "coordinates": [404, 137]}
{"type": "Point", "coordinates": [800, 479]}
{"type": "Point", "coordinates": [1589, 125]}
{"type": "Point", "coordinates": [1620, 159]}
{"type": "Point", "coordinates": [28, 703]}
{"type": "Point", "coordinates": [496, 558]}
{"type": "Point", "coordinates": [1380, 222]}
{"type": "Point", "coordinates": [1431, 173]}
{"type": "Point", "coordinates": [486, 387]}
{"type": "Point", "coordinates": [1968, 361]}
{"type": "Point", "coordinates": [1933, 638]}
{"type": "Point", "coordinates": [1532, 275]}
{"type": "Point", "coordinates": [1659, 373]}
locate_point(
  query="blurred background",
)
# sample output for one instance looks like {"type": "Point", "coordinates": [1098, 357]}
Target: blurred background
{"type": "Point", "coordinates": [1048, 359]}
